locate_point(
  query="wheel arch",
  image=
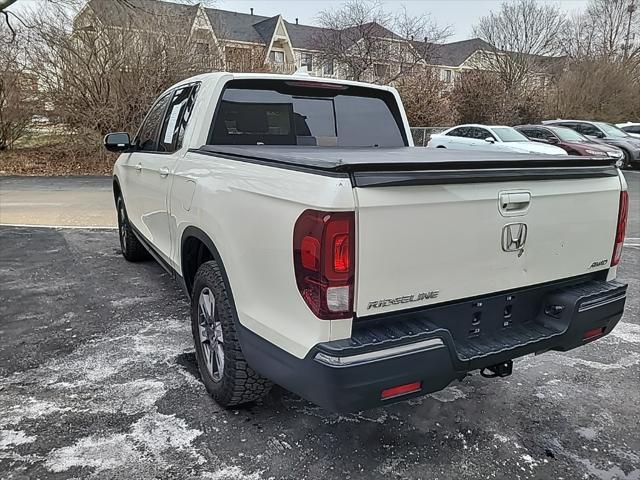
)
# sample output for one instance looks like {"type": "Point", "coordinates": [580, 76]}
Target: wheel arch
{"type": "Point", "coordinates": [196, 247]}
{"type": "Point", "coordinates": [117, 191]}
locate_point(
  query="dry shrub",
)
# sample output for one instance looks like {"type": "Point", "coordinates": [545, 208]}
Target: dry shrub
{"type": "Point", "coordinates": [78, 152]}
{"type": "Point", "coordinates": [480, 97]}
{"type": "Point", "coordinates": [598, 89]}
{"type": "Point", "coordinates": [425, 100]}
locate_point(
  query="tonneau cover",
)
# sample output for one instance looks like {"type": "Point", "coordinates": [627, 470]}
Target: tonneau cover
{"type": "Point", "coordinates": [354, 159]}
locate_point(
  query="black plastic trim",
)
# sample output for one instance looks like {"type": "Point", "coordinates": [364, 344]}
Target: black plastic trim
{"type": "Point", "coordinates": [395, 179]}
{"type": "Point", "coordinates": [344, 387]}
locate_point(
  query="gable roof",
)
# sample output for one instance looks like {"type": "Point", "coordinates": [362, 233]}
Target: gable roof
{"type": "Point", "coordinates": [141, 14]}
{"type": "Point", "coordinates": [455, 53]}
{"type": "Point", "coordinates": [266, 28]}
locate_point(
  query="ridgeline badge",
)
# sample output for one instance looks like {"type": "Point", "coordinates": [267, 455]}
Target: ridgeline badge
{"type": "Point", "coordinates": [406, 299]}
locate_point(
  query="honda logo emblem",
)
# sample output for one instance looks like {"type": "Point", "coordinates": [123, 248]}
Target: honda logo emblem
{"type": "Point", "coordinates": [514, 236]}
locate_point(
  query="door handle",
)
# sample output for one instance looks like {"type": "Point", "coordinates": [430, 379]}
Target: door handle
{"type": "Point", "coordinates": [138, 167]}
{"type": "Point", "coordinates": [164, 171]}
{"type": "Point", "coordinates": [514, 203]}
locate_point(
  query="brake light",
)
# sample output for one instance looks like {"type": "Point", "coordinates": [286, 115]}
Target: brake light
{"type": "Point", "coordinates": [323, 258]}
{"type": "Point", "coordinates": [623, 213]}
{"type": "Point", "coordinates": [400, 390]}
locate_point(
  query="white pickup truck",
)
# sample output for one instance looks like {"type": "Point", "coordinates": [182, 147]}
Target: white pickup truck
{"type": "Point", "coordinates": [323, 252]}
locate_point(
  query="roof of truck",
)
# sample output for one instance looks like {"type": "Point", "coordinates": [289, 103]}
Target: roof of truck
{"type": "Point", "coordinates": [216, 76]}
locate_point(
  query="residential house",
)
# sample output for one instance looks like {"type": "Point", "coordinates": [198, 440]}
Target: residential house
{"type": "Point", "coordinates": [247, 41]}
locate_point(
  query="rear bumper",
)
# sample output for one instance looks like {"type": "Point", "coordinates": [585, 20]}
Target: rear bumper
{"type": "Point", "coordinates": [436, 346]}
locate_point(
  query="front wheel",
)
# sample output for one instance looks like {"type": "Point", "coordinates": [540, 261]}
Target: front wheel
{"type": "Point", "coordinates": [626, 160]}
{"type": "Point", "coordinates": [223, 368]}
{"type": "Point", "coordinates": [132, 249]}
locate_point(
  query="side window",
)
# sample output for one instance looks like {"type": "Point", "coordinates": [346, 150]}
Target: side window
{"type": "Point", "coordinates": [458, 132]}
{"type": "Point", "coordinates": [632, 129]}
{"type": "Point", "coordinates": [175, 119]}
{"type": "Point", "coordinates": [540, 133]}
{"type": "Point", "coordinates": [531, 132]}
{"type": "Point", "coordinates": [148, 133]}
{"type": "Point", "coordinates": [587, 129]}
{"type": "Point", "coordinates": [481, 133]}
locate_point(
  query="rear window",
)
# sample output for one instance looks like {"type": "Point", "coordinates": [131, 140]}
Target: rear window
{"type": "Point", "coordinates": [261, 112]}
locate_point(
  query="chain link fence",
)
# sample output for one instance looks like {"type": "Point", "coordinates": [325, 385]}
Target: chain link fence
{"type": "Point", "coordinates": [421, 135]}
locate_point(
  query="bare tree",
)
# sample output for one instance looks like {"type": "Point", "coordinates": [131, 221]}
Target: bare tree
{"type": "Point", "coordinates": [521, 34]}
{"type": "Point", "coordinates": [18, 87]}
{"type": "Point", "coordinates": [104, 78]}
{"type": "Point", "coordinates": [606, 29]}
{"type": "Point", "coordinates": [367, 42]}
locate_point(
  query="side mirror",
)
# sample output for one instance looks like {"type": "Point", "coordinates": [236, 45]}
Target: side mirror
{"type": "Point", "coordinates": [489, 140]}
{"type": "Point", "coordinates": [117, 142]}
{"type": "Point", "coordinates": [553, 141]}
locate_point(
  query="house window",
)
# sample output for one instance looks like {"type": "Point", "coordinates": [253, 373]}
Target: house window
{"type": "Point", "coordinates": [448, 76]}
{"type": "Point", "coordinates": [202, 48]}
{"type": "Point", "coordinates": [327, 69]}
{"type": "Point", "coordinates": [306, 60]}
{"type": "Point", "coordinates": [381, 70]}
{"type": "Point", "coordinates": [276, 57]}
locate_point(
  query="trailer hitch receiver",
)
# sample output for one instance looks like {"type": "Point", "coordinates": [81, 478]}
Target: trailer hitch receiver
{"type": "Point", "coordinates": [503, 369]}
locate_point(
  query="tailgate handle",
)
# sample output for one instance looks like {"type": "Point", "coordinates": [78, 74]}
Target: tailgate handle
{"type": "Point", "coordinates": [514, 202]}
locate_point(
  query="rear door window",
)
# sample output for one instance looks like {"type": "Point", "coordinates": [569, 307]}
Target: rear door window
{"type": "Point", "coordinates": [268, 112]}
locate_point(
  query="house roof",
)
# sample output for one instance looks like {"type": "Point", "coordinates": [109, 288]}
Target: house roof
{"type": "Point", "coordinates": [145, 14]}
{"type": "Point", "coordinates": [452, 54]}
{"type": "Point", "coordinates": [266, 28]}
{"type": "Point", "coordinates": [246, 27]}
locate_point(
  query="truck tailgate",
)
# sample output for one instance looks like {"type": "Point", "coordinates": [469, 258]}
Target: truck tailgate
{"type": "Point", "coordinates": [426, 244]}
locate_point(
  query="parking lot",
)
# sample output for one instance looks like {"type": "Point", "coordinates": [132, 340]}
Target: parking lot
{"type": "Point", "coordinates": [98, 380]}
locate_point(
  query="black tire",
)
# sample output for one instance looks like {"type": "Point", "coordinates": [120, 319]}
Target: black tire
{"type": "Point", "coordinates": [626, 160]}
{"type": "Point", "coordinates": [132, 249]}
{"type": "Point", "coordinates": [238, 383]}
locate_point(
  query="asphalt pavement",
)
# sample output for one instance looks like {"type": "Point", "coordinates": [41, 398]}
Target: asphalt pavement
{"type": "Point", "coordinates": [98, 380]}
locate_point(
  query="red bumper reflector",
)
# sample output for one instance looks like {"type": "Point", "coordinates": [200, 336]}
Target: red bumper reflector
{"type": "Point", "coordinates": [596, 332]}
{"type": "Point", "coordinates": [401, 390]}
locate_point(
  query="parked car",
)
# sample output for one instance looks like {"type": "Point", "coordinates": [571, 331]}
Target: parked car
{"type": "Point", "coordinates": [358, 277]}
{"type": "Point", "coordinates": [605, 133]}
{"type": "Point", "coordinates": [489, 138]}
{"type": "Point", "coordinates": [631, 128]}
{"type": "Point", "coordinates": [571, 141]}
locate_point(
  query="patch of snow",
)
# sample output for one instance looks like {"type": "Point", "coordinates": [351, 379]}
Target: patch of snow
{"type": "Point", "coordinates": [14, 437]}
{"type": "Point", "coordinates": [232, 473]}
{"type": "Point", "coordinates": [449, 394]}
{"type": "Point", "coordinates": [629, 332]}
{"type": "Point", "coordinates": [153, 435]}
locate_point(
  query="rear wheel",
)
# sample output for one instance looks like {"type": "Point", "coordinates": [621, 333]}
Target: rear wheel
{"type": "Point", "coordinates": [131, 247]}
{"type": "Point", "coordinates": [223, 368]}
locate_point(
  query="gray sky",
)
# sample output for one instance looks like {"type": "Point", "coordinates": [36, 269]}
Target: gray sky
{"type": "Point", "coordinates": [460, 14]}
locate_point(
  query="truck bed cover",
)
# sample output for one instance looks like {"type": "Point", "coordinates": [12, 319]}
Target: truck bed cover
{"type": "Point", "coordinates": [375, 166]}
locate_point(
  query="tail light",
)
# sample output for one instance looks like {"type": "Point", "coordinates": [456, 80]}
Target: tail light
{"type": "Point", "coordinates": [400, 390]}
{"type": "Point", "coordinates": [623, 212]}
{"type": "Point", "coordinates": [323, 258]}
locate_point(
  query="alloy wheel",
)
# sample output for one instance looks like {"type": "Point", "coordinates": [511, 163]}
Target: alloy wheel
{"type": "Point", "coordinates": [211, 338]}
